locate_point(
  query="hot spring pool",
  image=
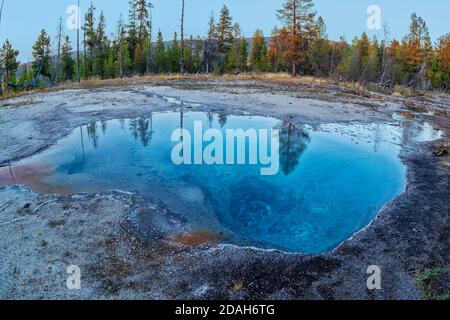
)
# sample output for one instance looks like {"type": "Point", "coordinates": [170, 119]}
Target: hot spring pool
{"type": "Point", "coordinates": [332, 181]}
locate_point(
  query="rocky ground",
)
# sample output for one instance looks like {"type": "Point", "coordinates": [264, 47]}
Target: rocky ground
{"type": "Point", "coordinates": [41, 235]}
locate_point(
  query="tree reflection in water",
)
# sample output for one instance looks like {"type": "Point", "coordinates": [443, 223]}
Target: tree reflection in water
{"type": "Point", "coordinates": [293, 143]}
{"type": "Point", "coordinates": [142, 128]}
{"type": "Point", "coordinates": [210, 116]}
{"type": "Point", "coordinates": [223, 119]}
{"type": "Point", "coordinates": [92, 133]}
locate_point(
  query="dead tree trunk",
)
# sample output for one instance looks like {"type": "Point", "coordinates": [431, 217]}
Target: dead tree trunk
{"type": "Point", "coordinates": [149, 49]}
{"type": "Point", "coordinates": [84, 53]}
{"type": "Point", "coordinates": [182, 39]}
{"type": "Point", "coordinates": [58, 62]}
{"type": "Point", "coordinates": [121, 49]}
{"type": "Point", "coordinates": [78, 44]}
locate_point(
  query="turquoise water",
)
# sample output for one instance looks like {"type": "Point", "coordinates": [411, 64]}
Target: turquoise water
{"type": "Point", "coordinates": [333, 180]}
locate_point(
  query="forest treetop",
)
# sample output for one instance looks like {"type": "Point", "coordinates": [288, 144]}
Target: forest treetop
{"type": "Point", "coordinates": [299, 45]}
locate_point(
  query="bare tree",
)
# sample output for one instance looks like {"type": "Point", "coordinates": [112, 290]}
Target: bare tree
{"type": "Point", "coordinates": [58, 62]}
{"type": "Point", "coordinates": [120, 33]}
{"type": "Point", "coordinates": [78, 43]}
{"type": "Point", "coordinates": [384, 64]}
{"type": "Point", "coordinates": [182, 39]}
{"type": "Point", "coordinates": [150, 27]}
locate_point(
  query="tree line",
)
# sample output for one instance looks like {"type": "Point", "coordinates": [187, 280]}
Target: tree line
{"type": "Point", "coordinates": [299, 46]}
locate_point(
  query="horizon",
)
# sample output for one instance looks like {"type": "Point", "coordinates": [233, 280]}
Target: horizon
{"type": "Point", "coordinates": [166, 18]}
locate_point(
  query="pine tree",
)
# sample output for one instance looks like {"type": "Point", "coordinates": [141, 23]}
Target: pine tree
{"type": "Point", "coordinates": [298, 19]}
{"type": "Point", "coordinates": [132, 38]}
{"type": "Point", "coordinates": [90, 38]}
{"type": "Point", "coordinates": [159, 57]}
{"type": "Point", "coordinates": [318, 54]}
{"type": "Point", "coordinates": [439, 71]}
{"type": "Point", "coordinates": [275, 50]}
{"type": "Point", "coordinates": [140, 23]}
{"type": "Point", "coordinates": [8, 63]}
{"type": "Point", "coordinates": [173, 55]}
{"type": "Point", "coordinates": [243, 54]}
{"type": "Point", "coordinates": [321, 29]}
{"type": "Point", "coordinates": [374, 61]}
{"type": "Point", "coordinates": [142, 16]}
{"type": "Point", "coordinates": [225, 30]}
{"type": "Point", "coordinates": [41, 55]}
{"type": "Point", "coordinates": [362, 47]}
{"type": "Point", "coordinates": [67, 62]}
{"type": "Point", "coordinates": [258, 53]}
{"type": "Point", "coordinates": [102, 46]}
{"type": "Point", "coordinates": [443, 51]}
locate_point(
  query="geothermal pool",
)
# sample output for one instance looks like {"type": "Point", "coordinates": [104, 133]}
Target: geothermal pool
{"type": "Point", "coordinates": [332, 179]}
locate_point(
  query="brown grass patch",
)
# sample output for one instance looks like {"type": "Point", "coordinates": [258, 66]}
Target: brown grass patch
{"type": "Point", "coordinates": [406, 115]}
{"type": "Point", "coordinates": [198, 238]}
{"type": "Point", "coordinates": [415, 107]}
{"type": "Point", "coordinates": [237, 286]}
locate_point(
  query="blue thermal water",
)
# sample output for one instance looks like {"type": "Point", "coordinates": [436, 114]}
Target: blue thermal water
{"type": "Point", "coordinates": [333, 180]}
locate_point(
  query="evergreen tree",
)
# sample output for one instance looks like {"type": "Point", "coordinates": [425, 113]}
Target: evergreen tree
{"type": "Point", "coordinates": [225, 30]}
{"type": "Point", "coordinates": [173, 55]}
{"type": "Point", "coordinates": [258, 53]}
{"type": "Point", "coordinates": [232, 57]}
{"type": "Point", "coordinates": [142, 16]}
{"type": "Point", "coordinates": [298, 19]}
{"type": "Point", "coordinates": [132, 38]}
{"type": "Point", "coordinates": [8, 63]}
{"type": "Point", "coordinates": [67, 62]}
{"type": "Point", "coordinates": [102, 47]}
{"type": "Point", "coordinates": [90, 39]}
{"type": "Point", "coordinates": [443, 51]}
{"type": "Point", "coordinates": [362, 50]}
{"type": "Point", "coordinates": [243, 54]}
{"type": "Point", "coordinates": [318, 54]}
{"type": "Point", "coordinates": [374, 61]}
{"type": "Point", "coordinates": [439, 71]}
{"type": "Point", "coordinates": [159, 57]}
{"type": "Point", "coordinates": [41, 55]}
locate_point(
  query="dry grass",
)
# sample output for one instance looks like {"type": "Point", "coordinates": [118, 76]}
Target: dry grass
{"type": "Point", "coordinates": [414, 107]}
{"type": "Point", "coordinates": [282, 78]}
{"type": "Point", "coordinates": [353, 88]}
{"type": "Point", "coordinates": [198, 238]}
{"type": "Point", "coordinates": [406, 115]}
{"type": "Point", "coordinates": [237, 286]}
